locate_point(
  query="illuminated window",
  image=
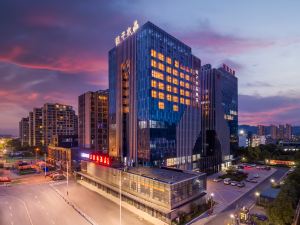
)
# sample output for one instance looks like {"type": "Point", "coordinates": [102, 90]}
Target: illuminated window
{"type": "Point", "coordinates": [175, 90]}
{"type": "Point", "coordinates": [161, 86]}
{"type": "Point", "coordinates": [181, 83]}
{"type": "Point", "coordinates": [161, 95]}
{"type": "Point", "coordinates": [187, 93]}
{"type": "Point", "coordinates": [182, 100]}
{"type": "Point", "coordinates": [153, 83]}
{"type": "Point", "coordinates": [176, 63]}
{"type": "Point", "coordinates": [169, 60]}
{"type": "Point", "coordinates": [187, 85]}
{"type": "Point", "coordinates": [169, 88]}
{"type": "Point", "coordinates": [168, 69]}
{"type": "Point", "coordinates": [169, 79]}
{"type": "Point", "coordinates": [161, 105]}
{"type": "Point", "coordinates": [153, 63]}
{"type": "Point", "coordinates": [154, 94]}
{"type": "Point", "coordinates": [161, 57]}
{"type": "Point", "coordinates": [161, 66]}
{"type": "Point", "coordinates": [175, 108]}
{"type": "Point", "coordinates": [175, 99]}
{"type": "Point", "coordinates": [169, 97]}
{"type": "Point", "coordinates": [188, 101]}
{"type": "Point", "coordinates": [187, 77]}
{"type": "Point", "coordinates": [181, 92]}
{"type": "Point", "coordinates": [187, 69]}
{"type": "Point", "coordinates": [153, 53]}
{"type": "Point", "coordinates": [175, 81]}
{"type": "Point", "coordinates": [157, 75]}
{"type": "Point", "coordinates": [175, 72]}
{"type": "Point", "coordinates": [181, 75]}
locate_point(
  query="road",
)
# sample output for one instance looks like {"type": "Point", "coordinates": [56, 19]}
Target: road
{"type": "Point", "coordinates": [35, 204]}
{"type": "Point", "coordinates": [247, 200]}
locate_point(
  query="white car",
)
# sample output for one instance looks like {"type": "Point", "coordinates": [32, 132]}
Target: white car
{"type": "Point", "coordinates": [217, 179]}
{"type": "Point", "coordinates": [227, 181]}
{"type": "Point", "coordinates": [233, 183]}
{"type": "Point", "coordinates": [256, 176]}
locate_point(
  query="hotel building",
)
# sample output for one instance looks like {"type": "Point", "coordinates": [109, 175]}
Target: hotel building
{"type": "Point", "coordinates": [154, 106]}
{"type": "Point", "coordinates": [93, 120]}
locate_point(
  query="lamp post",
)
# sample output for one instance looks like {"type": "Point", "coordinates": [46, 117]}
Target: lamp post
{"type": "Point", "coordinates": [232, 218]}
{"type": "Point", "coordinates": [212, 201]}
{"type": "Point", "coordinates": [120, 186]}
{"type": "Point", "coordinates": [257, 194]}
{"type": "Point", "coordinates": [67, 178]}
{"type": "Point", "coordinates": [45, 165]}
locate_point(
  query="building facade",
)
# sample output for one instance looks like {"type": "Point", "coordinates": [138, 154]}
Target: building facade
{"type": "Point", "coordinates": [215, 130]}
{"type": "Point", "coordinates": [273, 131]}
{"type": "Point", "coordinates": [38, 137]}
{"type": "Point", "coordinates": [93, 120]}
{"type": "Point", "coordinates": [58, 119]}
{"type": "Point", "coordinates": [261, 130]}
{"type": "Point", "coordinates": [229, 89]}
{"type": "Point", "coordinates": [159, 192]}
{"type": "Point", "coordinates": [154, 106]}
{"type": "Point", "coordinates": [24, 131]}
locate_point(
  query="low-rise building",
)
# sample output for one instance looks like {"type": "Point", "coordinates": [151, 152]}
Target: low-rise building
{"type": "Point", "coordinates": [161, 193]}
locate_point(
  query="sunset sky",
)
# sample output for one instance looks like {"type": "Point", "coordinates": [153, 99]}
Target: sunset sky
{"type": "Point", "coordinates": [53, 51]}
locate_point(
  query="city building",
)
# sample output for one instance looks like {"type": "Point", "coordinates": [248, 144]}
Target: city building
{"type": "Point", "coordinates": [229, 89]}
{"type": "Point", "coordinates": [273, 131]}
{"type": "Point", "coordinates": [258, 140]}
{"type": "Point", "coordinates": [58, 119]}
{"type": "Point", "coordinates": [37, 123]}
{"type": "Point", "coordinates": [31, 130]}
{"type": "Point", "coordinates": [215, 114]}
{"type": "Point", "coordinates": [288, 132]}
{"type": "Point", "coordinates": [154, 105]}
{"type": "Point", "coordinates": [261, 130]}
{"type": "Point", "coordinates": [281, 131]}
{"type": "Point", "coordinates": [93, 120]}
{"type": "Point", "coordinates": [24, 131]}
{"type": "Point", "coordinates": [159, 193]}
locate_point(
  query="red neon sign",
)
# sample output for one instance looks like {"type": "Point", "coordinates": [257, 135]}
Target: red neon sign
{"type": "Point", "coordinates": [100, 159]}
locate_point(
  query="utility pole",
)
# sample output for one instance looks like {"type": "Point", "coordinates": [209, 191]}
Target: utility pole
{"type": "Point", "coordinates": [67, 178]}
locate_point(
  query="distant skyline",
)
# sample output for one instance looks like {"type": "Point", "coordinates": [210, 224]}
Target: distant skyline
{"type": "Point", "coordinates": [53, 51]}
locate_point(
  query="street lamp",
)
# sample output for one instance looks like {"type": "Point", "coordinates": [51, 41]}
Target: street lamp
{"type": "Point", "coordinates": [272, 181]}
{"type": "Point", "coordinates": [232, 218]}
{"type": "Point", "coordinates": [212, 200]}
{"type": "Point", "coordinates": [36, 150]}
{"type": "Point", "coordinates": [257, 194]}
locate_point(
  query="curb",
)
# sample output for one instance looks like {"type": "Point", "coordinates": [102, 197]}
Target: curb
{"type": "Point", "coordinates": [76, 208]}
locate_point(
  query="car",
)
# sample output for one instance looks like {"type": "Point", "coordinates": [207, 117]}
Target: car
{"type": "Point", "coordinates": [58, 177]}
{"type": "Point", "coordinates": [256, 176]}
{"type": "Point", "coordinates": [251, 180]}
{"type": "Point", "coordinates": [253, 165]}
{"type": "Point", "coordinates": [241, 184]}
{"type": "Point", "coordinates": [227, 181]}
{"type": "Point", "coordinates": [233, 183]}
{"type": "Point", "coordinates": [217, 179]}
{"type": "Point", "coordinates": [261, 217]}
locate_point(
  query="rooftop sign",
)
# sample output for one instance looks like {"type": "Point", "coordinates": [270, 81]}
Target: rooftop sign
{"type": "Point", "coordinates": [127, 33]}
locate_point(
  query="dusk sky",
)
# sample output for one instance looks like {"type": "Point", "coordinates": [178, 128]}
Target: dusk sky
{"type": "Point", "coordinates": [53, 51]}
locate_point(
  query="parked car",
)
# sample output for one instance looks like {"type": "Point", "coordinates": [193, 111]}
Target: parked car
{"type": "Point", "coordinates": [58, 177]}
{"type": "Point", "coordinates": [217, 179]}
{"type": "Point", "coordinates": [233, 183]}
{"type": "Point", "coordinates": [227, 181]}
{"type": "Point", "coordinates": [251, 180]}
{"type": "Point", "coordinates": [260, 217]}
{"type": "Point", "coordinates": [241, 184]}
{"type": "Point", "coordinates": [256, 176]}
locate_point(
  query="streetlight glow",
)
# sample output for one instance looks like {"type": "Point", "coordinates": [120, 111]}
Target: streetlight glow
{"type": "Point", "coordinates": [212, 194]}
{"type": "Point", "coordinates": [272, 180]}
{"type": "Point", "coordinates": [231, 216]}
{"type": "Point", "coordinates": [257, 194]}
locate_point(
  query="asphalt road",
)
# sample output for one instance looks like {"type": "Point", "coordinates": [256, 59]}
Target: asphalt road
{"type": "Point", "coordinates": [34, 205]}
{"type": "Point", "coordinates": [247, 200]}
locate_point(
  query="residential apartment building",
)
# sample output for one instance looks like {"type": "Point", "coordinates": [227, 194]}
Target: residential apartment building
{"type": "Point", "coordinates": [24, 131]}
{"type": "Point", "coordinates": [93, 120]}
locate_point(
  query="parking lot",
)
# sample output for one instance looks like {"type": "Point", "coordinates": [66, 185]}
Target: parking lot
{"type": "Point", "coordinates": [224, 194]}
